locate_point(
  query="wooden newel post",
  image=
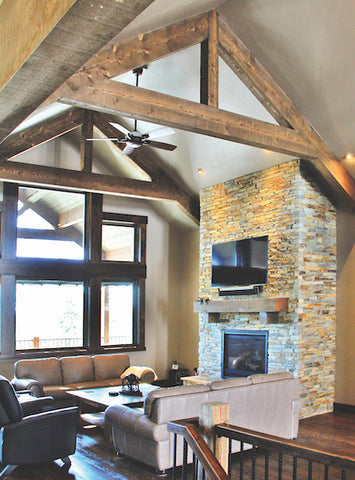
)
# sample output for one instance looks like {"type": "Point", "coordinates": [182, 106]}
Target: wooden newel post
{"type": "Point", "coordinates": [212, 414]}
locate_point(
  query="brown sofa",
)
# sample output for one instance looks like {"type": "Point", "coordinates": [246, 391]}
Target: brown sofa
{"type": "Point", "coordinates": [55, 376]}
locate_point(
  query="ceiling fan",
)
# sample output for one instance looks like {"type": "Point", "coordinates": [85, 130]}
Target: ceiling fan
{"type": "Point", "coordinates": [134, 139]}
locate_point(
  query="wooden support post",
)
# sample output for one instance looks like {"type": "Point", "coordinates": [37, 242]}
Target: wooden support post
{"type": "Point", "coordinates": [209, 64]}
{"type": "Point", "coordinates": [86, 147]}
{"type": "Point", "coordinates": [212, 414]}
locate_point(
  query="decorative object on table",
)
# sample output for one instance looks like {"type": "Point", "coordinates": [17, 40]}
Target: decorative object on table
{"type": "Point", "coordinates": [130, 385]}
{"type": "Point", "coordinates": [175, 365]}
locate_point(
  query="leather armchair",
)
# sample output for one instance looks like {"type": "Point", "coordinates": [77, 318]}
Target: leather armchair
{"type": "Point", "coordinates": [38, 438]}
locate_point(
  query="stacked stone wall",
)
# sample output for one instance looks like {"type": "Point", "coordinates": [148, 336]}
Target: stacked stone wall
{"type": "Point", "coordinates": [284, 204]}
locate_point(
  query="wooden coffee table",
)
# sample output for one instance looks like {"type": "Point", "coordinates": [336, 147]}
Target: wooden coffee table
{"type": "Point", "coordinates": [101, 399]}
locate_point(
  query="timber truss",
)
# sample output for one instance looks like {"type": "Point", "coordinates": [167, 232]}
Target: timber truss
{"type": "Point", "coordinates": [92, 89]}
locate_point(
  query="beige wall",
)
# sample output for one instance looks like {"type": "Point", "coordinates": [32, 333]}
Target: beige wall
{"type": "Point", "coordinates": [345, 353]}
{"type": "Point", "coordinates": [186, 260]}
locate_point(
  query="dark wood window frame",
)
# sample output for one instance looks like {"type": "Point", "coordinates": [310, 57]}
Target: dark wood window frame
{"type": "Point", "coordinates": [92, 271]}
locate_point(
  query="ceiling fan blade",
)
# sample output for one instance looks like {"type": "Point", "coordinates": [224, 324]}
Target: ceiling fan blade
{"type": "Point", "coordinates": [100, 139]}
{"type": "Point", "coordinates": [120, 128]}
{"type": "Point", "coordinates": [163, 146]}
{"type": "Point", "coordinates": [161, 132]}
{"type": "Point", "coordinates": [128, 149]}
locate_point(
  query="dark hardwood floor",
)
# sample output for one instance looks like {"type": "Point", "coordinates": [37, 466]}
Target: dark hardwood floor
{"type": "Point", "coordinates": [95, 458]}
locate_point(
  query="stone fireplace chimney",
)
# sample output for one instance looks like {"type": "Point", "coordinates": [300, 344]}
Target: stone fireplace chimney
{"type": "Point", "coordinates": [285, 204]}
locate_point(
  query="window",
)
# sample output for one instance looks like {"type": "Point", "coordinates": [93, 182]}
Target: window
{"type": "Point", "coordinates": [73, 276]}
{"type": "Point", "coordinates": [50, 224]}
{"type": "Point", "coordinates": [117, 302]}
{"type": "Point", "coordinates": [117, 243]}
{"type": "Point", "coordinates": [49, 315]}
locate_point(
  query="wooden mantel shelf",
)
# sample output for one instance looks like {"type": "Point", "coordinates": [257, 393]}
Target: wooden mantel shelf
{"type": "Point", "coordinates": [268, 308]}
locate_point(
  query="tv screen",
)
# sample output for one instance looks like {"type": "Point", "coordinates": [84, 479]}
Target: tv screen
{"type": "Point", "coordinates": [240, 262]}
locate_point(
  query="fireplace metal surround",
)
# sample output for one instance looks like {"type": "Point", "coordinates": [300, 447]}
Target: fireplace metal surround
{"type": "Point", "coordinates": [244, 352]}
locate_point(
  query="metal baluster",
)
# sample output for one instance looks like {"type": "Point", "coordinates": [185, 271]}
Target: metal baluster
{"type": "Point", "coordinates": [310, 465]}
{"type": "Point", "coordinates": [326, 472]}
{"type": "Point", "coordinates": [229, 457]}
{"type": "Point", "coordinates": [195, 460]}
{"type": "Point", "coordinates": [241, 464]}
{"type": "Point", "coordinates": [343, 475]}
{"type": "Point", "coordinates": [253, 457]}
{"type": "Point", "coordinates": [174, 455]}
{"type": "Point", "coordinates": [280, 467]}
{"type": "Point", "coordinates": [184, 463]}
{"type": "Point", "coordinates": [267, 456]}
{"type": "Point", "coordinates": [294, 469]}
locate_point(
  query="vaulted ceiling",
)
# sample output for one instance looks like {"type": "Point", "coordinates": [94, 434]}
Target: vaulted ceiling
{"type": "Point", "coordinates": [230, 114]}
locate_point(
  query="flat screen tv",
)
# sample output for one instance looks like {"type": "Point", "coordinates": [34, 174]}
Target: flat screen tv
{"type": "Point", "coordinates": [240, 263]}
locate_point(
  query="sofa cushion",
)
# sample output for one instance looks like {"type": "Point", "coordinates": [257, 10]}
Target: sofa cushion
{"type": "Point", "coordinates": [110, 366]}
{"type": "Point", "coordinates": [145, 374]}
{"type": "Point", "coordinates": [270, 377]}
{"type": "Point", "coordinates": [77, 369]}
{"type": "Point", "coordinates": [169, 398]}
{"type": "Point", "coordinates": [230, 383]}
{"type": "Point", "coordinates": [46, 371]}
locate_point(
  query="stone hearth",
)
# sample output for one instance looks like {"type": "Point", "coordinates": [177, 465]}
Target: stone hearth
{"type": "Point", "coordinates": [285, 204]}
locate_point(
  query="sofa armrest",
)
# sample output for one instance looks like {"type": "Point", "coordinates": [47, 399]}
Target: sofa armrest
{"type": "Point", "coordinates": [136, 422]}
{"type": "Point", "coordinates": [145, 374]}
{"type": "Point", "coordinates": [33, 386]}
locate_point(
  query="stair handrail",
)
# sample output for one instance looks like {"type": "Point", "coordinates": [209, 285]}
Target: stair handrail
{"type": "Point", "coordinates": [189, 430]}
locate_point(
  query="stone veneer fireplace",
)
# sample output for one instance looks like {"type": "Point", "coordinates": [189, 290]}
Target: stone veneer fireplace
{"type": "Point", "coordinates": [285, 204]}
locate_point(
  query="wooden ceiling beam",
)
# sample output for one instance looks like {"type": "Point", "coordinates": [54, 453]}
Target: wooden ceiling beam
{"type": "Point", "coordinates": [30, 174]}
{"type": "Point", "coordinates": [61, 53]}
{"type": "Point", "coordinates": [40, 133]}
{"type": "Point", "coordinates": [120, 99]}
{"type": "Point", "coordinates": [325, 166]}
{"type": "Point", "coordinates": [114, 60]}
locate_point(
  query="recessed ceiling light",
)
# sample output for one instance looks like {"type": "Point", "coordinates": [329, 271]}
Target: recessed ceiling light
{"type": "Point", "coordinates": [200, 171]}
{"type": "Point", "coordinates": [349, 156]}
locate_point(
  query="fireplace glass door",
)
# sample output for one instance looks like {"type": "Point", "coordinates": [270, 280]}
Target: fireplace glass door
{"type": "Point", "coordinates": [244, 352]}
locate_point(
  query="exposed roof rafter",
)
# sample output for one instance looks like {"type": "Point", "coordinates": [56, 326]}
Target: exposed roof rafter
{"type": "Point", "coordinates": [114, 60]}
{"type": "Point", "coordinates": [40, 133]}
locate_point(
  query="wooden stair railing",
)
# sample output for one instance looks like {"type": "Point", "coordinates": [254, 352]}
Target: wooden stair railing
{"type": "Point", "coordinates": [251, 444]}
{"type": "Point", "coordinates": [188, 429]}
{"type": "Point", "coordinates": [272, 444]}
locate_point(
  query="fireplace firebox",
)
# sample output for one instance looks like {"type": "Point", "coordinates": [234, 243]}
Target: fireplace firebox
{"type": "Point", "coordinates": [244, 352]}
